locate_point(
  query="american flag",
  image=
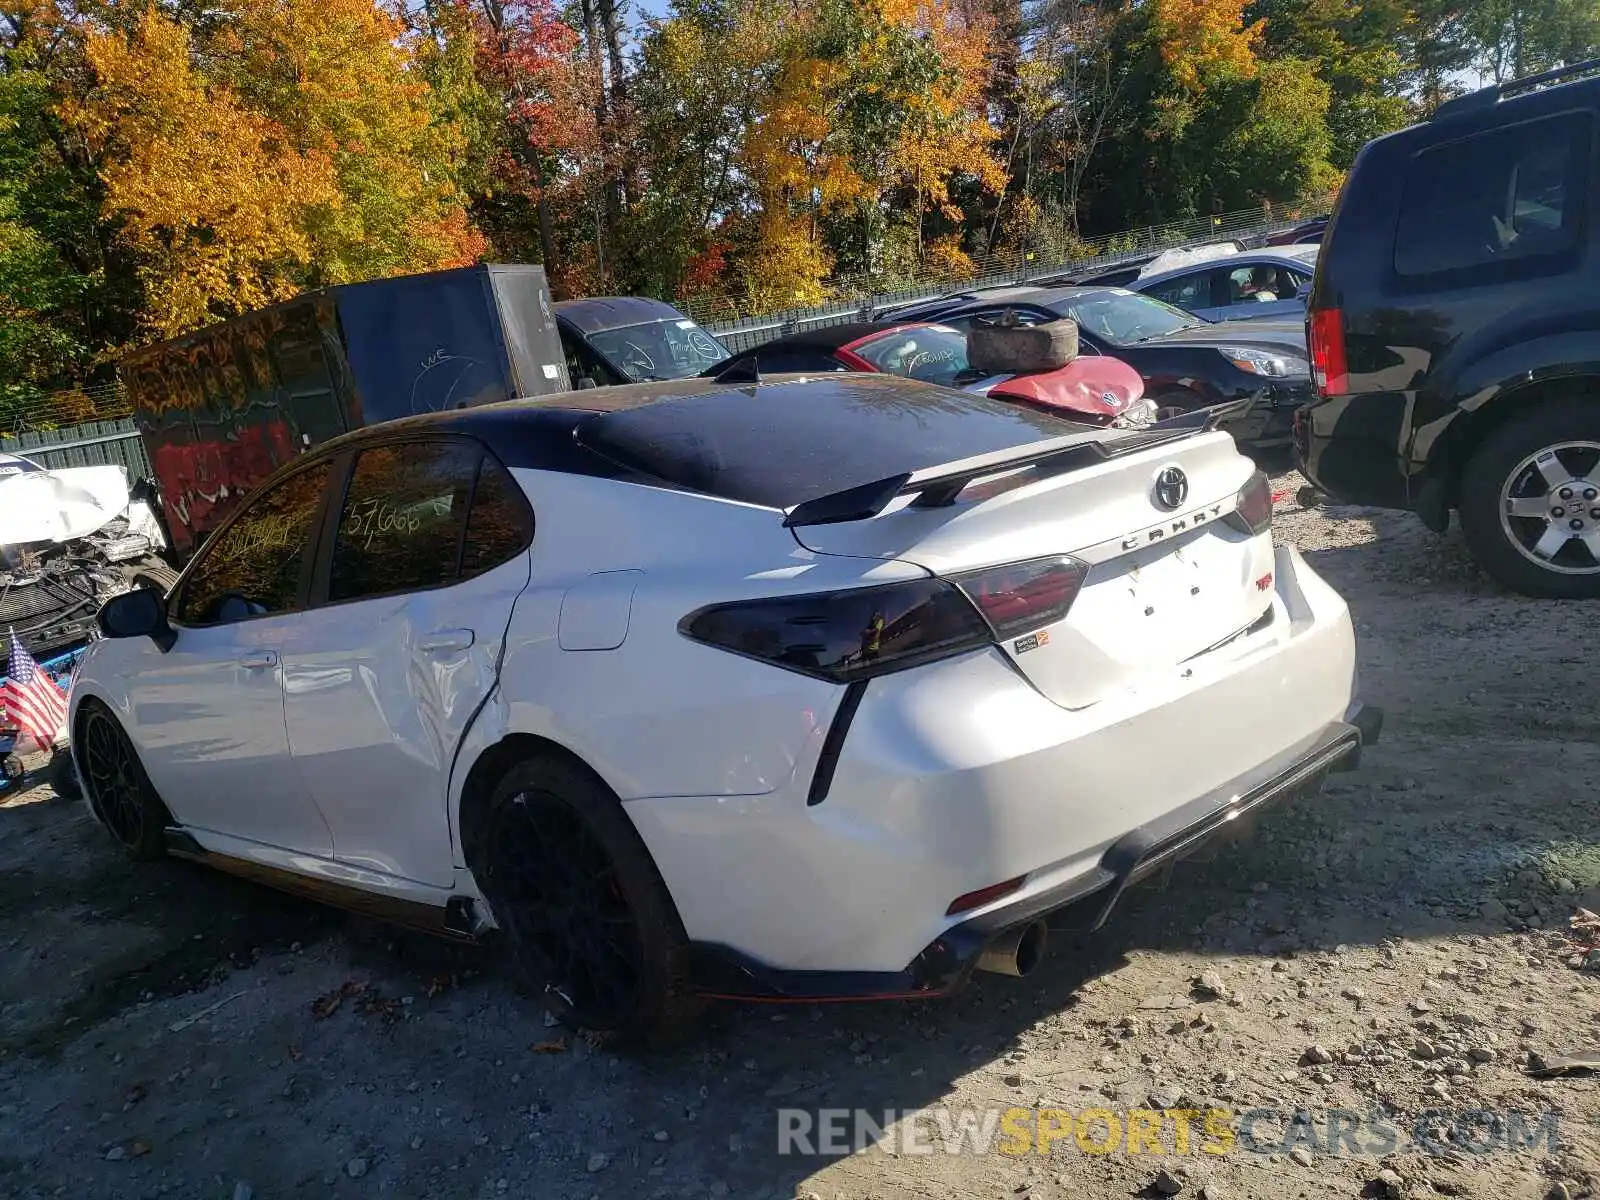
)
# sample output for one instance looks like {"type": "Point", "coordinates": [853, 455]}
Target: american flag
{"type": "Point", "coordinates": [31, 698]}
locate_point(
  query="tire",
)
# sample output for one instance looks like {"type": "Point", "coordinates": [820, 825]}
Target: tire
{"type": "Point", "coordinates": [1505, 472]}
{"type": "Point", "coordinates": [153, 573]}
{"type": "Point", "coordinates": [589, 924]}
{"type": "Point", "coordinates": [64, 776]}
{"type": "Point", "coordinates": [119, 791]}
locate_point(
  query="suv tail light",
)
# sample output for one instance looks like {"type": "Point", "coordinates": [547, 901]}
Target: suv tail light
{"type": "Point", "coordinates": [858, 633]}
{"type": "Point", "coordinates": [1329, 367]}
{"type": "Point", "coordinates": [1253, 504]}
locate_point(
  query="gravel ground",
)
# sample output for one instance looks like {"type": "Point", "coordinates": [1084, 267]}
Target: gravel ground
{"type": "Point", "coordinates": [1395, 946]}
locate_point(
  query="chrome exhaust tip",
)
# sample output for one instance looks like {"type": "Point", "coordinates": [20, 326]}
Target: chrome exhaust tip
{"type": "Point", "coordinates": [1016, 952]}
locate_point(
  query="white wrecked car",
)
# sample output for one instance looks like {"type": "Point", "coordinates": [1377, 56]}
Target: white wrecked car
{"type": "Point", "coordinates": [69, 539]}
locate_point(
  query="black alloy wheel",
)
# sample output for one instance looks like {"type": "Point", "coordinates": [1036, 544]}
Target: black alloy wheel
{"type": "Point", "coordinates": [557, 893]}
{"type": "Point", "coordinates": [590, 925]}
{"type": "Point", "coordinates": [122, 796]}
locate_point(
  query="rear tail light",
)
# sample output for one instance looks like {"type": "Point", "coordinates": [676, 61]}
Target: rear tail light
{"type": "Point", "coordinates": [1253, 504]}
{"type": "Point", "coordinates": [1329, 367]}
{"type": "Point", "coordinates": [863, 632]}
{"type": "Point", "coordinates": [1023, 596]}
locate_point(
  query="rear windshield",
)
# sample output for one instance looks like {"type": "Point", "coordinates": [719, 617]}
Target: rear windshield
{"type": "Point", "coordinates": [785, 442]}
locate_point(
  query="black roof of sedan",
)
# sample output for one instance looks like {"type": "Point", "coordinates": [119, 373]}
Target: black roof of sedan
{"type": "Point", "coordinates": [775, 443]}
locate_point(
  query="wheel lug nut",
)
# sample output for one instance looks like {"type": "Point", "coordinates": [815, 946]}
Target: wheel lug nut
{"type": "Point", "coordinates": [1590, 493]}
{"type": "Point", "coordinates": [1558, 511]}
{"type": "Point", "coordinates": [1575, 523]}
{"type": "Point", "coordinates": [1566, 493]}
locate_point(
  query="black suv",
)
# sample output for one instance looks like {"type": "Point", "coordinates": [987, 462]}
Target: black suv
{"type": "Point", "coordinates": [1454, 329]}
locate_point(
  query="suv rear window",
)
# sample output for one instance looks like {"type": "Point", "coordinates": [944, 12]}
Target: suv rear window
{"type": "Point", "coordinates": [1508, 195]}
{"type": "Point", "coordinates": [781, 443]}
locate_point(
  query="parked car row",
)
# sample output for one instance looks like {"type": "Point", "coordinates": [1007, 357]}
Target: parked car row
{"type": "Point", "coordinates": [1184, 361]}
{"type": "Point", "coordinates": [1090, 389]}
{"type": "Point", "coordinates": [1200, 328]}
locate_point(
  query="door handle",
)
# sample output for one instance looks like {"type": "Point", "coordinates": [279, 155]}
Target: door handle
{"type": "Point", "coordinates": [259, 660]}
{"type": "Point", "coordinates": [445, 641]}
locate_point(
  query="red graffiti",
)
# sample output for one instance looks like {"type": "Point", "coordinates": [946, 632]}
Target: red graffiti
{"type": "Point", "coordinates": [202, 482]}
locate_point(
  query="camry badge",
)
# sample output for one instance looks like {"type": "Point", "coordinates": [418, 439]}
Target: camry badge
{"type": "Point", "coordinates": [1172, 488]}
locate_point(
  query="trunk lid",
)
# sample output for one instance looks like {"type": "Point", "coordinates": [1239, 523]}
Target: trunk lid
{"type": "Point", "coordinates": [1165, 581]}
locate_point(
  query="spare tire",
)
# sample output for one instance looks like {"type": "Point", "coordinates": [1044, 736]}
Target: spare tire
{"type": "Point", "coordinates": [1021, 349]}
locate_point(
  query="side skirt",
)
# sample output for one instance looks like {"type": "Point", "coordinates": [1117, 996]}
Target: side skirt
{"type": "Point", "coordinates": [456, 919]}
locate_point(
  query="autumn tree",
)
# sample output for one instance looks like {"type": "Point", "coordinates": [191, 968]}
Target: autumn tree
{"type": "Point", "coordinates": [211, 196]}
{"type": "Point", "coordinates": [701, 79]}
{"type": "Point", "coordinates": [67, 285]}
{"type": "Point", "coordinates": [336, 78]}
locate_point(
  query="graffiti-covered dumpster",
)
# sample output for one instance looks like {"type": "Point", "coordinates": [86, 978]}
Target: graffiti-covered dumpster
{"type": "Point", "coordinates": [221, 408]}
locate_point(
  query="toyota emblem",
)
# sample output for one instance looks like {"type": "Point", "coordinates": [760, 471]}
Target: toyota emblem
{"type": "Point", "coordinates": [1172, 488]}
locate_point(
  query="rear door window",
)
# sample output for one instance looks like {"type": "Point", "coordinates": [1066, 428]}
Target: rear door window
{"type": "Point", "coordinates": [422, 515]}
{"type": "Point", "coordinates": [1508, 196]}
{"type": "Point", "coordinates": [403, 519]}
{"type": "Point", "coordinates": [1190, 291]}
{"type": "Point", "coordinates": [500, 525]}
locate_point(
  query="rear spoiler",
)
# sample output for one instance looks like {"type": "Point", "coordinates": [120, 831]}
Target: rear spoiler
{"type": "Point", "coordinates": [936, 487]}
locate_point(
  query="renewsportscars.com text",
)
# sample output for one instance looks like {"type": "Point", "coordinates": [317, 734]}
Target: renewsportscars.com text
{"type": "Point", "coordinates": [1212, 1131]}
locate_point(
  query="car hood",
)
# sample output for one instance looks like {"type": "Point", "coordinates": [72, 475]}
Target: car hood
{"type": "Point", "coordinates": [1274, 336]}
{"type": "Point", "coordinates": [39, 505]}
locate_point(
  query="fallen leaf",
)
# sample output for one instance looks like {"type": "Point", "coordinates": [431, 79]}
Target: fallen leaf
{"type": "Point", "coordinates": [373, 1005]}
{"type": "Point", "coordinates": [439, 983]}
{"type": "Point", "coordinates": [138, 1149]}
{"type": "Point", "coordinates": [558, 1046]}
{"type": "Point", "coordinates": [135, 1094]}
{"type": "Point", "coordinates": [296, 1054]}
{"type": "Point", "coordinates": [324, 1007]}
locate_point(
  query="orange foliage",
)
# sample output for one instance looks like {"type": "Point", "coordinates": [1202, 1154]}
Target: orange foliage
{"type": "Point", "coordinates": [1202, 37]}
{"type": "Point", "coordinates": [210, 193]}
{"type": "Point", "coordinates": [336, 74]}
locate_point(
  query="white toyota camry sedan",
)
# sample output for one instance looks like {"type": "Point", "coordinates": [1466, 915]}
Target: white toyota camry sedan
{"type": "Point", "coordinates": [792, 689]}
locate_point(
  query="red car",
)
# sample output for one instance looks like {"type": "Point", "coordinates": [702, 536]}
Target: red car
{"type": "Point", "coordinates": [1093, 389]}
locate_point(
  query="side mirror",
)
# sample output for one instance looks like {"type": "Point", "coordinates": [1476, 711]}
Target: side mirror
{"type": "Point", "coordinates": [139, 613]}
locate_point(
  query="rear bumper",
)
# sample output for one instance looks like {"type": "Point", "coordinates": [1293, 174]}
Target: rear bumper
{"type": "Point", "coordinates": [946, 963]}
{"type": "Point", "coordinates": [959, 775]}
{"type": "Point", "coordinates": [1349, 448]}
